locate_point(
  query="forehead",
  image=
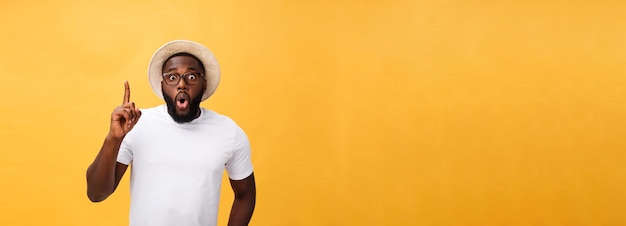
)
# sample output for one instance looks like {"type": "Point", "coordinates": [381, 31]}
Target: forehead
{"type": "Point", "coordinates": [181, 62]}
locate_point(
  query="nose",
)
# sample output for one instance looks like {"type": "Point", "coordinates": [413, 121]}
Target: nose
{"type": "Point", "coordinates": [182, 84]}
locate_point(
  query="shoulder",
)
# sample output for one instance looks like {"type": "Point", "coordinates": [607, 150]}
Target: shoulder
{"type": "Point", "coordinates": [151, 117]}
{"type": "Point", "coordinates": [215, 117]}
{"type": "Point", "coordinates": [154, 113]}
{"type": "Point", "coordinates": [223, 121]}
{"type": "Point", "coordinates": [154, 110]}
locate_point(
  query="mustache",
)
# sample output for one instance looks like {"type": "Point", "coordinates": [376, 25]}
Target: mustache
{"type": "Point", "coordinates": [182, 94]}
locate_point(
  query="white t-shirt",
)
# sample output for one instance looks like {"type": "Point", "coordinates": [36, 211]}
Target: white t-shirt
{"type": "Point", "coordinates": [177, 168]}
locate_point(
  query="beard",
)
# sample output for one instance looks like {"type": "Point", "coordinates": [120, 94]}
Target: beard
{"type": "Point", "coordinates": [194, 109]}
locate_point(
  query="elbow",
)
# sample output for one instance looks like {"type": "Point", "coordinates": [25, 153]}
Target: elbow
{"type": "Point", "coordinates": [96, 197]}
{"type": "Point", "coordinates": [97, 192]}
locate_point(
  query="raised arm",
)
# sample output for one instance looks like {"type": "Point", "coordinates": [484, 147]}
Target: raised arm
{"type": "Point", "coordinates": [105, 173]}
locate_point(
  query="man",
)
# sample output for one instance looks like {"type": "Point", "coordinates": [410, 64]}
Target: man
{"type": "Point", "coordinates": [177, 151]}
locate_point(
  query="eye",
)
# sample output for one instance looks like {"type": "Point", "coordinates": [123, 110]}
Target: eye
{"type": "Point", "coordinates": [191, 77]}
{"type": "Point", "coordinates": [172, 77]}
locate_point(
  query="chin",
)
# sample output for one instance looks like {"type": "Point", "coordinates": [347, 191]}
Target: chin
{"type": "Point", "coordinates": [182, 113]}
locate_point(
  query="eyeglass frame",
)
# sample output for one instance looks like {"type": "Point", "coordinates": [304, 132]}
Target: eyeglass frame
{"type": "Point", "coordinates": [184, 76]}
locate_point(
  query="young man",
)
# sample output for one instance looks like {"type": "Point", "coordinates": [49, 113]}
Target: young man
{"type": "Point", "coordinates": [177, 151]}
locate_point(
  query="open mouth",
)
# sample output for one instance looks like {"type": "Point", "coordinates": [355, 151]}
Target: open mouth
{"type": "Point", "coordinates": [182, 101]}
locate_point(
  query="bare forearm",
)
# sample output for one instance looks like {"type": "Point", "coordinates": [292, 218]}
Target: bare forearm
{"type": "Point", "coordinates": [104, 174]}
{"type": "Point", "coordinates": [101, 173]}
{"type": "Point", "coordinates": [242, 210]}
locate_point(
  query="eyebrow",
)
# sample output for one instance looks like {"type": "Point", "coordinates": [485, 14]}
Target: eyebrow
{"type": "Point", "coordinates": [189, 69]}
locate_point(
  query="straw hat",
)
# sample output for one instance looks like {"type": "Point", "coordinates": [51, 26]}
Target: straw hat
{"type": "Point", "coordinates": [211, 67]}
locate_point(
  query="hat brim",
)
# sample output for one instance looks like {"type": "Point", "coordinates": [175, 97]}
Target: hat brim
{"type": "Point", "coordinates": [211, 67]}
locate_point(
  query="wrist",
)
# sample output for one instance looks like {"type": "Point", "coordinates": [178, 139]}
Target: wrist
{"type": "Point", "coordinates": [111, 137]}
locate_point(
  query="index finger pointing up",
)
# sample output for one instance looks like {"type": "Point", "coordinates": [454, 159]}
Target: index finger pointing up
{"type": "Point", "coordinates": [126, 92]}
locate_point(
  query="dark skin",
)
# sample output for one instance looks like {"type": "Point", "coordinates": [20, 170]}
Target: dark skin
{"type": "Point", "coordinates": [105, 173]}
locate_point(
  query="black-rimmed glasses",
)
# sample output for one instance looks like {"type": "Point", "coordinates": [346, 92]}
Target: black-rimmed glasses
{"type": "Point", "coordinates": [173, 79]}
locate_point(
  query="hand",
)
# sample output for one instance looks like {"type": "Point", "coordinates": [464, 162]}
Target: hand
{"type": "Point", "coordinates": [124, 117]}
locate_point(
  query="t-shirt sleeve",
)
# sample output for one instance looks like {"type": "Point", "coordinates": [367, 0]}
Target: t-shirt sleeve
{"type": "Point", "coordinates": [125, 155]}
{"type": "Point", "coordinates": [239, 166]}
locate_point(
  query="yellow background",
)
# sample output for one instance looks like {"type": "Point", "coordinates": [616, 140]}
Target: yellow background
{"type": "Point", "coordinates": [359, 112]}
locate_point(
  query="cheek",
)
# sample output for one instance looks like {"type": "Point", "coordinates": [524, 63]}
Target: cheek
{"type": "Point", "coordinates": [202, 88]}
{"type": "Point", "coordinates": [197, 91]}
{"type": "Point", "coordinates": [167, 90]}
